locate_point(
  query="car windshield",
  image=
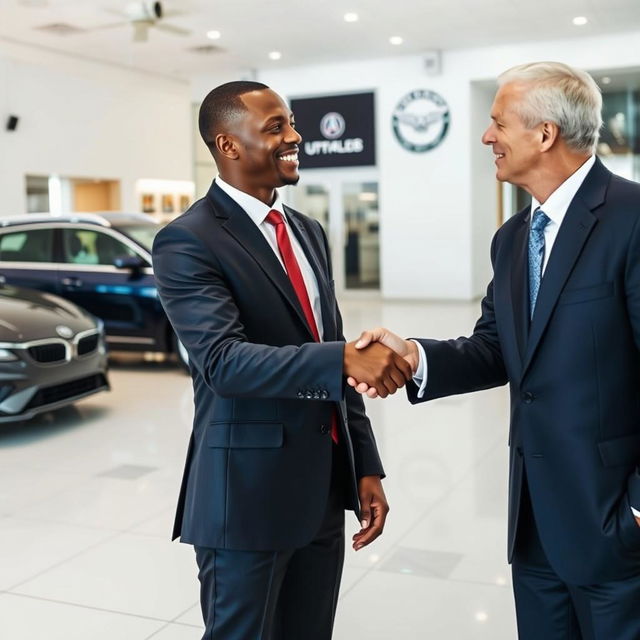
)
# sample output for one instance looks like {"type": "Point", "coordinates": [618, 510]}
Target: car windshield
{"type": "Point", "coordinates": [143, 234]}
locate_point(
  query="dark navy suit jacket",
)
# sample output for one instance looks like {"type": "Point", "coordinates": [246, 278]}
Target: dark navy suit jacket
{"type": "Point", "coordinates": [574, 375]}
{"type": "Point", "coordinates": [258, 467]}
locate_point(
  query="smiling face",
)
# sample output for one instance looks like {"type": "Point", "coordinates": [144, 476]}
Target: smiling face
{"type": "Point", "coordinates": [265, 145]}
{"type": "Point", "coordinates": [517, 149]}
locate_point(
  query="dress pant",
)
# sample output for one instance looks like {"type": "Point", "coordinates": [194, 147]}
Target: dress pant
{"type": "Point", "coordinates": [549, 609]}
{"type": "Point", "coordinates": [277, 595]}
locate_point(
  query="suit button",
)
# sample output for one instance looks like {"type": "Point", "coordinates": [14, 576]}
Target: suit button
{"type": "Point", "coordinates": [324, 429]}
{"type": "Point", "coordinates": [528, 397]}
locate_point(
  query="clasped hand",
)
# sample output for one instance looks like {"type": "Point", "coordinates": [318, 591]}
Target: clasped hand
{"type": "Point", "coordinates": [402, 362]}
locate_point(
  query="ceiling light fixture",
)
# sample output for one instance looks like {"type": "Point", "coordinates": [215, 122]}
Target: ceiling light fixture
{"type": "Point", "coordinates": [213, 35]}
{"type": "Point", "coordinates": [580, 21]}
{"type": "Point", "coordinates": [606, 80]}
{"type": "Point", "coordinates": [275, 55]}
{"type": "Point", "coordinates": [351, 17]}
{"type": "Point", "coordinates": [397, 40]}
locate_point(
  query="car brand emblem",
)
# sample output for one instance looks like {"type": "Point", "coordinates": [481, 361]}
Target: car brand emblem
{"type": "Point", "coordinates": [420, 121]}
{"type": "Point", "coordinates": [332, 125]}
{"type": "Point", "coordinates": [64, 332]}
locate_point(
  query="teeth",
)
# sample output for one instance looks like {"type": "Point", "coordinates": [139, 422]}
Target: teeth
{"type": "Point", "coordinates": [498, 155]}
{"type": "Point", "coordinates": [292, 157]}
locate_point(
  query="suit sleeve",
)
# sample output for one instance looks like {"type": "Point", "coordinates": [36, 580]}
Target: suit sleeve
{"type": "Point", "coordinates": [365, 450]}
{"type": "Point", "coordinates": [632, 291]}
{"type": "Point", "coordinates": [469, 363]}
{"type": "Point", "coordinates": [207, 321]}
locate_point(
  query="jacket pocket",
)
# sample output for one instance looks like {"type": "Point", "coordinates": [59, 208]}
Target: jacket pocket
{"type": "Point", "coordinates": [620, 452]}
{"type": "Point", "coordinates": [628, 528]}
{"type": "Point", "coordinates": [245, 435]}
{"type": "Point", "coordinates": [585, 294]}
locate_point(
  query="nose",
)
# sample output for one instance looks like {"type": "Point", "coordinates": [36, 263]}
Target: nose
{"type": "Point", "coordinates": [293, 136]}
{"type": "Point", "coordinates": [488, 137]}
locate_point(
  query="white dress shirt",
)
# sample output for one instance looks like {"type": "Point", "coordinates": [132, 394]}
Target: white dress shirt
{"type": "Point", "coordinates": [556, 208]}
{"type": "Point", "coordinates": [258, 211]}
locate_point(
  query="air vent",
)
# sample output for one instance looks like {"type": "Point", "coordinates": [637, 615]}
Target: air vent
{"type": "Point", "coordinates": [60, 29]}
{"type": "Point", "coordinates": [206, 49]}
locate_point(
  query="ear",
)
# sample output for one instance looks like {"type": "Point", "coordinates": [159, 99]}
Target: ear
{"type": "Point", "coordinates": [227, 146]}
{"type": "Point", "coordinates": [549, 134]}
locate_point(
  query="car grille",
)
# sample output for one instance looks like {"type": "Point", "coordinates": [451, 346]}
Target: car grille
{"type": "Point", "coordinates": [66, 390]}
{"type": "Point", "coordinates": [48, 353]}
{"type": "Point", "coordinates": [5, 391]}
{"type": "Point", "coordinates": [88, 344]}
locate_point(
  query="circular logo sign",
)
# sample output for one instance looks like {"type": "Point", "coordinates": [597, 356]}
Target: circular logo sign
{"type": "Point", "coordinates": [64, 332]}
{"type": "Point", "coordinates": [332, 125]}
{"type": "Point", "coordinates": [420, 120]}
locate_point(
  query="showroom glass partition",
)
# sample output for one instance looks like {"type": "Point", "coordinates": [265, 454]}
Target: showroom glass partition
{"type": "Point", "coordinates": [619, 145]}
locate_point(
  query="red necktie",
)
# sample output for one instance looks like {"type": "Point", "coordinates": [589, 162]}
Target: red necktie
{"type": "Point", "coordinates": [295, 276]}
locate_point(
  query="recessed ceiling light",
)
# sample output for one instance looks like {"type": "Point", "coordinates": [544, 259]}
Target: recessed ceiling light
{"type": "Point", "coordinates": [481, 616]}
{"type": "Point", "coordinates": [275, 55]}
{"type": "Point", "coordinates": [606, 80]}
{"type": "Point", "coordinates": [580, 21]}
{"type": "Point", "coordinates": [351, 17]}
{"type": "Point", "coordinates": [396, 40]}
{"type": "Point", "coordinates": [213, 35]}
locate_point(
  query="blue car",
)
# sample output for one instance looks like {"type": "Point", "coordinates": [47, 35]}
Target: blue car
{"type": "Point", "coordinates": [102, 263]}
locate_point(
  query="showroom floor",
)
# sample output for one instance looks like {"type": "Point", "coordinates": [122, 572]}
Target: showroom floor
{"type": "Point", "coordinates": [87, 497]}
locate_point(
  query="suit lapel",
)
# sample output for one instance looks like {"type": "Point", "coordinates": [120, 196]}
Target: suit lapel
{"type": "Point", "coordinates": [243, 229]}
{"type": "Point", "coordinates": [572, 236]}
{"type": "Point", "coordinates": [326, 295]}
{"type": "Point", "coordinates": [520, 284]}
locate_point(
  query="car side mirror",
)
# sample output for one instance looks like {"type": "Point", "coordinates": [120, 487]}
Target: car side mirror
{"type": "Point", "coordinates": [134, 263]}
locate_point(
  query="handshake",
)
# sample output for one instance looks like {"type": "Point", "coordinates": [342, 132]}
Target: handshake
{"type": "Point", "coordinates": [379, 362]}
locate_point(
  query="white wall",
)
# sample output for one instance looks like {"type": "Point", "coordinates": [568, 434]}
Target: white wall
{"type": "Point", "coordinates": [83, 119]}
{"type": "Point", "coordinates": [438, 209]}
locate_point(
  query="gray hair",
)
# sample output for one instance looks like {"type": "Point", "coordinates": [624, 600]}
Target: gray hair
{"type": "Point", "coordinates": [558, 93]}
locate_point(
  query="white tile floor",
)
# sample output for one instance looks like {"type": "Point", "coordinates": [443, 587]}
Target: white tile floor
{"type": "Point", "coordinates": [87, 497]}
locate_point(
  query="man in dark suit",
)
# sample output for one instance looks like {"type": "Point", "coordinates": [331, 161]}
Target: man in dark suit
{"type": "Point", "coordinates": [280, 445]}
{"type": "Point", "coordinates": [561, 324]}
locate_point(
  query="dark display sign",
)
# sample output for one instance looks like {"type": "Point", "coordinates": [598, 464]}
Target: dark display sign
{"type": "Point", "coordinates": [337, 131]}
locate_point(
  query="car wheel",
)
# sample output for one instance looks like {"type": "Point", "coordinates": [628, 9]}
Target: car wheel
{"type": "Point", "coordinates": [181, 353]}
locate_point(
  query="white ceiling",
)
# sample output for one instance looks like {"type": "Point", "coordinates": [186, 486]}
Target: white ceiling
{"type": "Point", "coordinates": [304, 31]}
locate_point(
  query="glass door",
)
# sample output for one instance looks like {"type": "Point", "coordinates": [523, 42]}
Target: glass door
{"type": "Point", "coordinates": [345, 202]}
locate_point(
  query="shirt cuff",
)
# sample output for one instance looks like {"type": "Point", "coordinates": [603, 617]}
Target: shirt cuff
{"type": "Point", "coordinates": [420, 376]}
{"type": "Point", "coordinates": [636, 513]}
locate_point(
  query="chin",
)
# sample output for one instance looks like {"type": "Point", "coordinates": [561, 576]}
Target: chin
{"type": "Point", "coordinates": [290, 180]}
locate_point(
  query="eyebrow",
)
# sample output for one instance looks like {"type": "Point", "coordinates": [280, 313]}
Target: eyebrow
{"type": "Point", "coordinates": [273, 119]}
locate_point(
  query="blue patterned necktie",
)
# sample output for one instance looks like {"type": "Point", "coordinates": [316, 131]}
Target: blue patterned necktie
{"type": "Point", "coordinates": [536, 255]}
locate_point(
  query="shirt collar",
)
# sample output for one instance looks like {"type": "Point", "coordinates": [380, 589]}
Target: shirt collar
{"type": "Point", "coordinates": [558, 202]}
{"type": "Point", "coordinates": [255, 209]}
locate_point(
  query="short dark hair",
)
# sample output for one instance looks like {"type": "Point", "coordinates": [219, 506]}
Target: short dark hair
{"type": "Point", "coordinates": [221, 105]}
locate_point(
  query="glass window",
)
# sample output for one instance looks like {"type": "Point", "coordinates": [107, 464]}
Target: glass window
{"type": "Point", "coordinates": [34, 245]}
{"type": "Point", "coordinates": [85, 246]}
{"type": "Point", "coordinates": [142, 234]}
{"type": "Point", "coordinates": [619, 144]}
{"type": "Point", "coordinates": [37, 194]}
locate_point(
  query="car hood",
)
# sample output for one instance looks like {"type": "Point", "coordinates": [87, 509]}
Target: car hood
{"type": "Point", "coordinates": [27, 315]}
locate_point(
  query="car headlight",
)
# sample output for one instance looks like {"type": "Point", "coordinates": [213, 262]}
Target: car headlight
{"type": "Point", "coordinates": [7, 356]}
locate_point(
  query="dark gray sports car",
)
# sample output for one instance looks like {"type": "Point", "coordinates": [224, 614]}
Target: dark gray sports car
{"type": "Point", "coordinates": [52, 353]}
